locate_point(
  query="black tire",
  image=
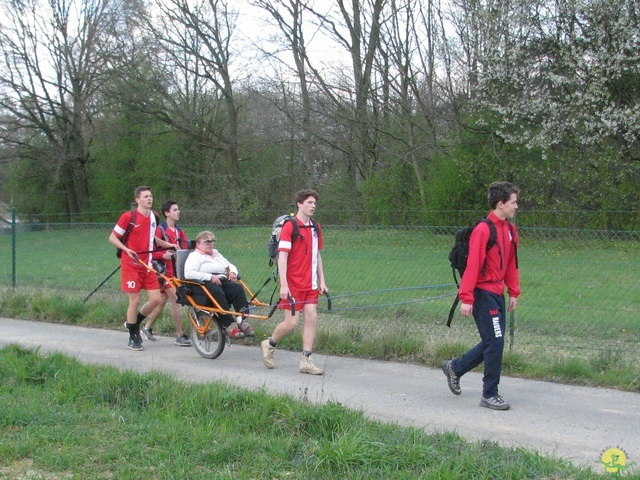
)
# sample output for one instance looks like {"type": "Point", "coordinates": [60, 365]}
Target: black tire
{"type": "Point", "coordinates": [209, 344]}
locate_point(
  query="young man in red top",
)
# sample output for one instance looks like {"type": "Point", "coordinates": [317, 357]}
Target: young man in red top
{"type": "Point", "coordinates": [175, 235]}
{"type": "Point", "coordinates": [142, 238]}
{"type": "Point", "coordinates": [481, 293]}
{"type": "Point", "coordinates": [301, 278]}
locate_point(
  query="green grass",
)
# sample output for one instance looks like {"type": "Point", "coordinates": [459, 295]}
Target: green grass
{"type": "Point", "coordinates": [62, 419]}
{"type": "Point", "coordinates": [392, 290]}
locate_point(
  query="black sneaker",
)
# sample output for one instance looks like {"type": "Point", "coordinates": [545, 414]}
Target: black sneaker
{"type": "Point", "coordinates": [494, 403]}
{"type": "Point", "coordinates": [452, 379]}
{"type": "Point", "coordinates": [135, 343]}
{"type": "Point", "coordinates": [183, 341]}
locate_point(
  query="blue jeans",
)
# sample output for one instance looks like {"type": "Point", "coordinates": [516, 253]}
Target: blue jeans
{"type": "Point", "coordinates": [490, 315]}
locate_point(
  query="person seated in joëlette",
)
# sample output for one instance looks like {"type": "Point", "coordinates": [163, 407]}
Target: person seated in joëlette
{"type": "Point", "coordinates": [206, 264]}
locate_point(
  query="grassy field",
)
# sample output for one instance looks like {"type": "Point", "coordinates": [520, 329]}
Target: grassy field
{"type": "Point", "coordinates": [63, 420]}
{"type": "Point", "coordinates": [392, 289]}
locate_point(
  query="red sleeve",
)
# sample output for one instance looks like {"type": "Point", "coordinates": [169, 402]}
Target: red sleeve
{"type": "Point", "coordinates": [286, 236]}
{"type": "Point", "coordinates": [122, 224]}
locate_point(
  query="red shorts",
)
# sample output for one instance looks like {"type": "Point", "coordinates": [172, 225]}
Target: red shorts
{"type": "Point", "coordinates": [302, 298]}
{"type": "Point", "coordinates": [134, 279]}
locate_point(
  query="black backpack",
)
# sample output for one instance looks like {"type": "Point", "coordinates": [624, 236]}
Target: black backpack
{"type": "Point", "coordinates": [274, 240]}
{"type": "Point", "coordinates": [460, 252]}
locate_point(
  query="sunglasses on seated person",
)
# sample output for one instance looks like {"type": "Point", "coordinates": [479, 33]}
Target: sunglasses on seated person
{"type": "Point", "coordinates": [208, 242]}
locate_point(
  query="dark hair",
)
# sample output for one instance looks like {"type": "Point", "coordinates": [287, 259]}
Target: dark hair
{"type": "Point", "coordinates": [302, 195]}
{"type": "Point", "coordinates": [166, 206]}
{"type": "Point", "coordinates": [139, 190]}
{"type": "Point", "coordinates": [500, 192]}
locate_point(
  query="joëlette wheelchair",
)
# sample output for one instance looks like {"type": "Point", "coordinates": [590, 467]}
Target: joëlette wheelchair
{"type": "Point", "coordinates": [207, 334]}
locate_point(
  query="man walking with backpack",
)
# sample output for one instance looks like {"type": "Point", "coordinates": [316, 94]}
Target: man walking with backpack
{"type": "Point", "coordinates": [136, 235]}
{"type": "Point", "coordinates": [301, 279]}
{"type": "Point", "coordinates": [172, 233]}
{"type": "Point", "coordinates": [489, 271]}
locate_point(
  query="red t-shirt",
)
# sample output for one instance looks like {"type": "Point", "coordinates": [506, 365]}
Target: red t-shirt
{"type": "Point", "coordinates": [141, 235]}
{"type": "Point", "coordinates": [302, 264]}
{"type": "Point", "coordinates": [177, 237]}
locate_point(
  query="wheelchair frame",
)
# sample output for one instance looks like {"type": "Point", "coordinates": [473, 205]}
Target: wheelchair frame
{"type": "Point", "coordinates": [207, 334]}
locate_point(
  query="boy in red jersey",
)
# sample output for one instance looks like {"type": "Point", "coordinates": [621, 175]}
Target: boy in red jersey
{"type": "Point", "coordinates": [172, 233]}
{"type": "Point", "coordinates": [141, 233]}
{"type": "Point", "coordinates": [488, 274]}
{"type": "Point", "coordinates": [301, 278]}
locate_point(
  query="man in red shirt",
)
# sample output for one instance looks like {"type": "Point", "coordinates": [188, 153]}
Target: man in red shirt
{"type": "Point", "coordinates": [140, 229]}
{"type": "Point", "coordinates": [172, 233]}
{"type": "Point", "coordinates": [301, 278]}
{"type": "Point", "coordinates": [481, 293]}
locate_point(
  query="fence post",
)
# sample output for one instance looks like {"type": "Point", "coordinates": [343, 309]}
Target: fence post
{"type": "Point", "coordinates": [13, 247]}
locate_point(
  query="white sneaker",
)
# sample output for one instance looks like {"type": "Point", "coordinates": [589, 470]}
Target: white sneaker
{"type": "Point", "coordinates": [267, 354]}
{"type": "Point", "coordinates": [307, 366]}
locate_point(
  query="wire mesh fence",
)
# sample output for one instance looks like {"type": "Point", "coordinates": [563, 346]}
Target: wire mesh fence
{"type": "Point", "coordinates": [579, 287]}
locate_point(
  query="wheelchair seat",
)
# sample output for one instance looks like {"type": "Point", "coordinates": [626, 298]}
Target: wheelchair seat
{"type": "Point", "coordinates": [181, 258]}
{"type": "Point", "coordinates": [186, 287]}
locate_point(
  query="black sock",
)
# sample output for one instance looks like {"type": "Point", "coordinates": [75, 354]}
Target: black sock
{"type": "Point", "coordinates": [306, 353]}
{"type": "Point", "coordinates": [140, 318]}
{"type": "Point", "coordinates": [272, 343]}
{"type": "Point", "coordinates": [133, 329]}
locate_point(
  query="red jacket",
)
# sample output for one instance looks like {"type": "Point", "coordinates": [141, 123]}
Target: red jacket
{"type": "Point", "coordinates": [499, 270]}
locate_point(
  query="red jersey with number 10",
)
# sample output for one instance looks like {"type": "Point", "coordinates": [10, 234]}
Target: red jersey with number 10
{"type": "Point", "coordinates": [141, 235]}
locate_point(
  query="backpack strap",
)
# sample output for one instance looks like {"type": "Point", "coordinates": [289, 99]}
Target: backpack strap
{"type": "Point", "coordinates": [163, 226]}
{"type": "Point", "coordinates": [453, 310]}
{"type": "Point", "coordinates": [125, 236]}
{"type": "Point", "coordinates": [296, 228]}
{"type": "Point", "coordinates": [493, 233]}
{"type": "Point", "coordinates": [181, 240]}
{"type": "Point", "coordinates": [132, 222]}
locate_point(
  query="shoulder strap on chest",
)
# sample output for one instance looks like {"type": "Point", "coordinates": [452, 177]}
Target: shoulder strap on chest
{"type": "Point", "coordinates": [493, 233]}
{"type": "Point", "coordinates": [131, 224]}
{"type": "Point", "coordinates": [125, 236]}
{"type": "Point", "coordinates": [296, 228]}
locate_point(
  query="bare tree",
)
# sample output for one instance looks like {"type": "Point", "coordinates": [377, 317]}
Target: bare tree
{"type": "Point", "coordinates": [55, 56]}
{"type": "Point", "coordinates": [409, 74]}
{"type": "Point", "coordinates": [354, 27]}
{"type": "Point", "coordinates": [196, 38]}
{"type": "Point", "coordinates": [288, 15]}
